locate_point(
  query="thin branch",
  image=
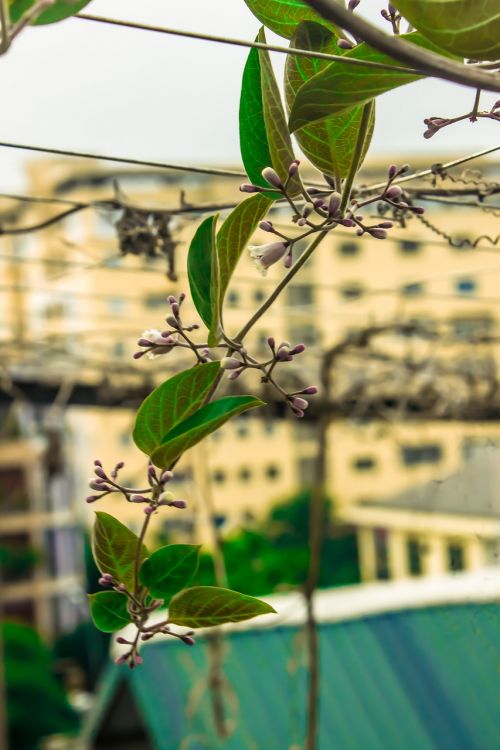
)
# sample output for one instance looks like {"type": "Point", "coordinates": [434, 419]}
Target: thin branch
{"type": "Point", "coordinates": [356, 158]}
{"type": "Point", "coordinates": [243, 43]}
{"type": "Point", "coordinates": [430, 63]}
{"type": "Point", "coordinates": [42, 224]}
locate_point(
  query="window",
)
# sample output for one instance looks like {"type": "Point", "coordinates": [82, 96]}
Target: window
{"type": "Point", "coordinates": [154, 301]}
{"type": "Point", "coordinates": [300, 294]}
{"type": "Point", "coordinates": [421, 454]}
{"type": "Point", "coordinates": [353, 290]}
{"type": "Point", "coordinates": [242, 429]}
{"type": "Point", "coordinates": [62, 551]}
{"type": "Point", "coordinates": [492, 551]}
{"type": "Point", "coordinates": [17, 558]}
{"type": "Point", "coordinates": [14, 496]}
{"type": "Point", "coordinates": [414, 557]}
{"type": "Point", "coordinates": [119, 349]}
{"type": "Point", "coordinates": [23, 611]}
{"type": "Point", "coordinates": [305, 430]}
{"type": "Point", "coordinates": [233, 299]}
{"type": "Point", "coordinates": [456, 557]}
{"type": "Point", "coordinates": [349, 248]}
{"type": "Point", "coordinates": [272, 471]}
{"type": "Point", "coordinates": [269, 427]}
{"type": "Point", "coordinates": [465, 327]}
{"type": "Point", "coordinates": [259, 295]}
{"type": "Point", "coordinates": [244, 474]}
{"type": "Point", "coordinates": [219, 476]}
{"type": "Point", "coordinates": [412, 290]}
{"type": "Point", "coordinates": [364, 463]}
{"type": "Point", "coordinates": [116, 305]}
{"type": "Point", "coordinates": [54, 310]}
{"type": "Point", "coordinates": [465, 286]}
{"type": "Point", "coordinates": [409, 247]}
{"type": "Point", "coordinates": [306, 334]}
{"type": "Point", "coordinates": [381, 554]}
{"type": "Point", "coordinates": [306, 468]}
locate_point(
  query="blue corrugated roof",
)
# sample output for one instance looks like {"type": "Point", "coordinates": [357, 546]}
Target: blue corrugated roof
{"type": "Point", "coordinates": [420, 679]}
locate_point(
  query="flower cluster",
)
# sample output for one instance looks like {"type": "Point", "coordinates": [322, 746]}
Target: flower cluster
{"type": "Point", "coordinates": [322, 211]}
{"type": "Point", "coordinates": [153, 496]}
{"type": "Point", "coordinates": [240, 361]}
{"type": "Point", "coordinates": [154, 343]}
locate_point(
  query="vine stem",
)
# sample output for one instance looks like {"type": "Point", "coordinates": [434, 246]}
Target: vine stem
{"type": "Point", "coordinates": [137, 560]}
{"type": "Point", "coordinates": [353, 169]}
{"type": "Point", "coordinates": [430, 63]}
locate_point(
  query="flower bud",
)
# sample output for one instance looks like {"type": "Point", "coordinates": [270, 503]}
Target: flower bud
{"type": "Point", "coordinates": [311, 390]}
{"type": "Point", "coordinates": [247, 188]}
{"type": "Point", "coordinates": [122, 641]}
{"type": "Point", "coordinates": [166, 476]}
{"type": "Point", "coordinates": [266, 226]}
{"type": "Point", "coordinates": [97, 463]}
{"type": "Point", "coordinates": [378, 234]}
{"type": "Point", "coordinates": [271, 342]}
{"type": "Point", "coordinates": [347, 223]}
{"type": "Point", "coordinates": [139, 499]}
{"type": "Point", "coordinates": [149, 510]}
{"type": "Point", "coordinates": [181, 504]}
{"type": "Point", "coordinates": [230, 363]}
{"type": "Point", "coordinates": [187, 640]}
{"type": "Point", "coordinates": [394, 192]}
{"type": "Point", "coordinates": [272, 177]}
{"type": "Point", "coordinates": [100, 472]}
{"type": "Point", "coordinates": [298, 412]}
{"type": "Point", "coordinates": [293, 168]}
{"type": "Point", "coordinates": [353, 4]}
{"type": "Point", "coordinates": [334, 203]}
{"type": "Point", "coordinates": [418, 210]}
{"type": "Point", "coordinates": [345, 44]}
{"type": "Point", "coordinates": [166, 497]}
{"type": "Point", "coordinates": [392, 171]}
{"type": "Point", "coordinates": [92, 498]}
{"type": "Point", "coordinates": [298, 349]}
{"type": "Point", "coordinates": [121, 659]}
{"type": "Point", "coordinates": [300, 403]}
{"type": "Point", "coordinates": [386, 225]}
{"type": "Point", "coordinates": [234, 374]}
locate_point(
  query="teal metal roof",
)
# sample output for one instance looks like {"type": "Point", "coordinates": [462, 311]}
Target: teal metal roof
{"type": "Point", "coordinates": [421, 679]}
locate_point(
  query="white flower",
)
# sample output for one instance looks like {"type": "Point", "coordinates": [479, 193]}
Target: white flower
{"type": "Point", "coordinates": [265, 255]}
{"type": "Point", "coordinates": [153, 335]}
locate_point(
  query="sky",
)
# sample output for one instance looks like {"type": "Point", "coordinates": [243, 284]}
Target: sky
{"type": "Point", "coordinates": [91, 87]}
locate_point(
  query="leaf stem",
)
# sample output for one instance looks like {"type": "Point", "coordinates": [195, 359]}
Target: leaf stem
{"type": "Point", "coordinates": [137, 560]}
{"type": "Point", "coordinates": [353, 169]}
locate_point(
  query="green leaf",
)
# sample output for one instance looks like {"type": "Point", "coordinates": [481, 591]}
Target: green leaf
{"type": "Point", "coordinates": [109, 611]}
{"type": "Point", "coordinates": [329, 144]}
{"type": "Point", "coordinates": [204, 606]}
{"type": "Point", "coordinates": [339, 86]}
{"type": "Point", "coordinates": [470, 28]}
{"type": "Point", "coordinates": [172, 402]}
{"type": "Point", "coordinates": [203, 274]}
{"type": "Point", "coordinates": [58, 12]}
{"type": "Point", "coordinates": [169, 569]}
{"type": "Point", "coordinates": [114, 547]}
{"type": "Point", "coordinates": [234, 235]}
{"type": "Point", "coordinates": [200, 424]}
{"type": "Point", "coordinates": [264, 137]}
{"type": "Point", "coordinates": [283, 16]}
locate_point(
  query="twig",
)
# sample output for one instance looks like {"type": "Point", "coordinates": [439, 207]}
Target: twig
{"type": "Point", "coordinates": [437, 66]}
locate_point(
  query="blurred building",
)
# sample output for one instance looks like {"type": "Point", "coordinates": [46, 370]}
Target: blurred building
{"type": "Point", "coordinates": [74, 306]}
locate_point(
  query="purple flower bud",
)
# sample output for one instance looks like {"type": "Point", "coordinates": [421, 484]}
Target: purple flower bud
{"type": "Point", "coordinates": [353, 4]}
{"type": "Point", "coordinates": [100, 472]}
{"type": "Point", "coordinates": [392, 171]}
{"type": "Point", "coordinates": [266, 226]}
{"type": "Point", "coordinates": [347, 223]}
{"type": "Point", "coordinates": [103, 582]}
{"type": "Point", "coordinates": [166, 476]}
{"type": "Point", "coordinates": [121, 587]}
{"type": "Point", "coordinates": [418, 210]}
{"type": "Point", "coordinates": [151, 471]}
{"type": "Point", "coordinates": [247, 188]}
{"type": "Point", "coordinates": [287, 261]}
{"type": "Point", "coordinates": [265, 255]}
{"type": "Point", "coordinates": [149, 510]}
{"type": "Point", "coordinates": [378, 234]}
{"type": "Point", "coordinates": [345, 44]}
{"type": "Point", "coordinates": [386, 225]}
{"type": "Point", "coordinates": [92, 498]}
{"type": "Point", "coordinates": [146, 636]}
{"type": "Point", "coordinates": [272, 177]}
{"type": "Point", "coordinates": [108, 577]}
{"type": "Point", "coordinates": [171, 299]}
{"type": "Point", "coordinates": [300, 403]}
{"type": "Point", "coordinates": [298, 349]}
{"type": "Point", "coordinates": [182, 297]}
{"type": "Point", "coordinates": [293, 168]}
{"type": "Point", "coordinates": [404, 169]}
{"type": "Point", "coordinates": [181, 504]}
{"type": "Point", "coordinates": [307, 210]}
{"type": "Point", "coordinates": [301, 222]}
{"type": "Point", "coordinates": [283, 354]}
{"type": "Point", "coordinates": [360, 232]}
{"type": "Point", "coordinates": [139, 499]}
{"type": "Point", "coordinates": [122, 641]}
{"type": "Point", "coordinates": [121, 659]}
{"type": "Point", "coordinates": [97, 463]}
{"type": "Point", "coordinates": [144, 342]}
{"type": "Point", "coordinates": [334, 203]}
{"type": "Point", "coordinates": [230, 363]}
{"type": "Point", "coordinates": [394, 192]}
{"type": "Point", "coordinates": [271, 342]}
{"type": "Point", "coordinates": [172, 321]}
{"type": "Point", "coordinates": [319, 203]}
{"type": "Point", "coordinates": [391, 9]}
{"type": "Point", "coordinates": [188, 640]}
{"type": "Point", "coordinates": [311, 390]}
{"type": "Point", "coordinates": [234, 374]}
{"type": "Point", "coordinates": [175, 309]}
{"type": "Point", "coordinates": [119, 465]}
{"type": "Point", "coordinates": [298, 412]}
{"type": "Point", "coordinates": [138, 355]}
{"type": "Point", "coordinates": [138, 660]}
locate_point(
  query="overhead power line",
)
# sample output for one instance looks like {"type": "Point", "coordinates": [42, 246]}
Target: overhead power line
{"type": "Point", "coordinates": [292, 51]}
